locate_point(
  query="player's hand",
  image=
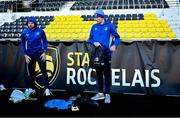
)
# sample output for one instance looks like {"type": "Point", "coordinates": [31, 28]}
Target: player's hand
{"type": "Point", "coordinates": [113, 48]}
{"type": "Point", "coordinates": [97, 44]}
{"type": "Point", "coordinates": [27, 59]}
{"type": "Point", "coordinates": [43, 56]}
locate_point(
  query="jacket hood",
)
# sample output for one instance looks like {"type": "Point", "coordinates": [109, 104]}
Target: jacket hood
{"type": "Point", "coordinates": [32, 19]}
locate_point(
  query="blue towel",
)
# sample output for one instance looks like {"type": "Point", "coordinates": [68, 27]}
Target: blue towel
{"type": "Point", "coordinates": [60, 104]}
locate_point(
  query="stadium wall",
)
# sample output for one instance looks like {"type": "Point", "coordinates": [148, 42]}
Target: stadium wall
{"type": "Point", "coordinates": [137, 68]}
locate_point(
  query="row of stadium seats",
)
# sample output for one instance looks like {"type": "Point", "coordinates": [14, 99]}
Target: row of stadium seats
{"type": "Point", "coordinates": [50, 6]}
{"type": "Point", "coordinates": [13, 29]}
{"type": "Point", "coordinates": [84, 36]}
{"type": "Point", "coordinates": [5, 5]}
{"type": "Point", "coordinates": [118, 4]}
{"type": "Point", "coordinates": [22, 20]}
{"type": "Point", "coordinates": [55, 5]}
{"type": "Point", "coordinates": [117, 17]}
{"type": "Point", "coordinates": [46, 5]}
{"type": "Point", "coordinates": [76, 27]}
{"type": "Point", "coordinates": [58, 0]}
{"type": "Point", "coordinates": [148, 28]}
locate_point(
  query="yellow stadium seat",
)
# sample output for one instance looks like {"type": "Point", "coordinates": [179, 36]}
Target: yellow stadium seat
{"type": "Point", "coordinates": [129, 29]}
{"type": "Point", "coordinates": [162, 35]}
{"type": "Point", "coordinates": [157, 25]}
{"type": "Point", "coordinates": [68, 18]}
{"type": "Point", "coordinates": [128, 22]}
{"type": "Point", "coordinates": [142, 25]}
{"type": "Point", "coordinates": [129, 35]}
{"type": "Point", "coordinates": [81, 26]}
{"type": "Point", "coordinates": [137, 29]}
{"type": "Point", "coordinates": [121, 30]}
{"type": "Point", "coordinates": [63, 19]}
{"type": "Point", "coordinates": [52, 36]}
{"type": "Point", "coordinates": [171, 35]}
{"type": "Point", "coordinates": [167, 29]}
{"type": "Point", "coordinates": [68, 26]}
{"type": "Point", "coordinates": [150, 25]}
{"type": "Point", "coordinates": [122, 35]}
{"type": "Point", "coordinates": [137, 35]}
{"type": "Point", "coordinates": [153, 16]}
{"type": "Point", "coordinates": [135, 25]}
{"type": "Point", "coordinates": [88, 27]}
{"type": "Point", "coordinates": [81, 22]}
{"type": "Point", "coordinates": [135, 21]}
{"type": "Point", "coordinates": [165, 25]}
{"type": "Point", "coordinates": [121, 25]}
{"type": "Point", "coordinates": [144, 29]}
{"type": "Point", "coordinates": [85, 26]}
{"type": "Point", "coordinates": [59, 36]}
{"type": "Point", "coordinates": [48, 26]}
{"type": "Point", "coordinates": [85, 30]}
{"type": "Point", "coordinates": [147, 14]}
{"type": "Point", "coordinates": [163, 21]}
{"type": "Point", "coordinates": [159, 29]}
{"type": "Point", "coordinates": [77, 30]}
{"type": "Point", "coordinates": [54, 23]}
{"type": "Point", "coordinates": [151, 29]}
{"type": "Point", "coordinates": [71, 23]}
{"type": "Point", "coordinates": [64, 30]}
{"type": "Point", "coordinates": [75, 26]}
{"type": "Point", "coordinates": [56, 26]}
{"type": "Point", "coordinates": [65, 23]}
{"type": "Point", "coordinates": [149, 21]}
{"type": "Point", "coordinates": [71, 30]}
{"type": "Point", "coordinates": [67, 35]}
{"type": "Point", "coordinates": [128, 25]}
{"type": "Point", "coordinates": [147, 17]}
{"type": "Point", "coordinates": [89, 22]}
{"type": "Point", "coordinates": [142, 22]}
{"type": "Point", "coordinates": [50, 30]}
{"type": "Point", "coordinates": [87, 35]}
{"type": "Point", "coordinates": [77, 23]}
{"type": "Point", "coordinates": [75, 35]}
{"type": "Point", "coordinates": [154, 35]}
{"type": "Point", "coordinates": [57, 30]}
{"type": "Point", "coordinates": [78, 18]}
{"type": "Point", "coordinates": [145, 35]}
{"type": "Point", "coordinates": [59, 23]}
{"type": "Point", "coordinates": [62, 26]}
{"type": "Point", "coordinates": [82, 35]}
{"type": "Point", "coordinates": [155, 21]}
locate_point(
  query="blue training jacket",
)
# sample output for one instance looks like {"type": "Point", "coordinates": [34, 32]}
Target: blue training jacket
{"type": "Point", "coordinates": [102, 32]}
{"type": "Point", "coordinates": [33, 40]}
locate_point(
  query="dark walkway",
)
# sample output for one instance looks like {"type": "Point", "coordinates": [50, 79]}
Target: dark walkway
{"type": "Point", "coordinates": [122, 105]}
